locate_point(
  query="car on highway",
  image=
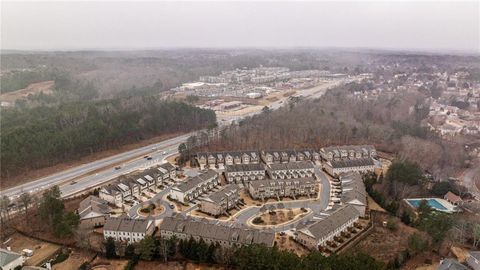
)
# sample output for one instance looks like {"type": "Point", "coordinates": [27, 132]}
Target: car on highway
{"type": "Point", "coordinates": [118, 168]}
{"type": "Point", "coordinates": [149, 158]}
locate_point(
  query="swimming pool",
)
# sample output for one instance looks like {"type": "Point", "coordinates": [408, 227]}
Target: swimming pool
{"type": "Point", "coordinates": [434, 203]}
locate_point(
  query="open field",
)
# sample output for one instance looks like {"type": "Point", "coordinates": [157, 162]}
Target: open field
{"type": "Point", "coordinates": [42, 251]}
{"type": "Point", "coordinates": [34, 88]}
{"type": "Point", "coordinates": [75, 259]}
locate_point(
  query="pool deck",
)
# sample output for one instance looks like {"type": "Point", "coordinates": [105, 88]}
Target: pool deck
{"type": "Point", "coordinates": [449, 208]}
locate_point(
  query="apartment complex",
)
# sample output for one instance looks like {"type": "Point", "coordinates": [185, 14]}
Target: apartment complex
{"type": "Point", "coordinates": [93, 212]}
{"type": "Point", "coordinates": [320, 232]}
{"type": "Point", "coordinates": [218, 203]}
{"type": "Point", "coordinates": [279, 188]}
{"type": "Point", "coordinates": [300, 169]}
{"type": "Point", "coordinates": [361, 165]}
{"type": "Point", "coordinates": [244, 173]}
{"type": "Point", "coordinates": [213, 232]}
{"type": "Point", "coordinates": [193, 187]}
{"type": "Point", "coordinates": [126, 229]}
{"type": "Point", "coordinates": [348, 152]}
{"type": "Point", "coordinates": [353, 192]}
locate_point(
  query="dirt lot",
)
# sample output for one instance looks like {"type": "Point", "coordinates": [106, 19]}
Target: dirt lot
{"type": "Point", "coordinates": [34, 88]}
{"type": "Point", "coordinates": [76, 258]}
{"type": "Point", "coordinates": [41, 250]}
{"type": "Point", "coordinates": [109, 264]}
{"type": "Point", "coordinates": [285, 243]}
{"type": "Point", "coordinates": [28, 176]}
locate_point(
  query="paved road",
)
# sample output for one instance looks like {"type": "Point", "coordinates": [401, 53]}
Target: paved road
{"type": "Point", "coordinates": [85, 182]}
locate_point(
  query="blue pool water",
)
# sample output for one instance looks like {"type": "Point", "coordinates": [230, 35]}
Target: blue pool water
{"type": "Point", "coordinates": [431, 202]}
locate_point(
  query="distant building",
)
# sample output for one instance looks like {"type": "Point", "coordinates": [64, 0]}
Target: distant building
{"type": "Point", "coordinates": [361, 165]}
{"type": "Point", "coordinates": [244, 173]}
{"type": "Point", "coordinates": [348, 152]}
{"type": "Point", "coordinates": [218, 203]}
{"type": "Point", "coordinates": [213, 232]}
{"type": "Point", "coordinates": [284, 156]}
{"type": "Point", "coordinates": [126, 229]}
{"type": "Point", "coordinates": [230, 105]}
{"type": "Point", "coordinates": [323, 231]}
{"type": "Point", "coordinates": [93, 212]}
{"type": "Point", "coordinates": [10, 260]}
{"type": "Point", "coordinates": [279, 188]}
{"type": "Point", "coordinates": [193, 187]}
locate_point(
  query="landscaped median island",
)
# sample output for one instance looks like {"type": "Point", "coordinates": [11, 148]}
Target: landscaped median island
{"type": "Point", "coordinates": [151, 209]}
{"type": "Point", "coordinates": [277, 217]}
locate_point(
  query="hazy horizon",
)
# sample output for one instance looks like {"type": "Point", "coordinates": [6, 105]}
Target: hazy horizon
{"type": "Point", "coordinates": [127, 26]}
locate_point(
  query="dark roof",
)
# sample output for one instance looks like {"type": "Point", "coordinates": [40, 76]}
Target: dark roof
{"type": "Point", "coordinates": [219, 196]}
{"type": "Point", "coordinates": [282, 182]}
{"type": "Point", "coordinates": [352, 163]}
{"type": "Point", "coordinates": [217, 231]}
{"type": "Point", "coordinates": [93, 204]}
{"type": "Point", "coordinates": [194, 181]}
{"type": "Point", "coordinates": [244, 167]}
{"type": "Point", "coordinates": [127, 224]}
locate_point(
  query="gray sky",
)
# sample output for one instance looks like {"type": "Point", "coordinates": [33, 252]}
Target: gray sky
{"type": "Point", "coordinates": [133, 25]}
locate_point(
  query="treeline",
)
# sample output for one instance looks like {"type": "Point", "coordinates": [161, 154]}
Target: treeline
{"type": "Point", "coordinates": [253, 257]}
{"type": "Point", "coordinates": [42, 136]}
{"type": "Point", "coordinates": [392, 124]}
{"type": "Point", "coordinates": [19, 79]}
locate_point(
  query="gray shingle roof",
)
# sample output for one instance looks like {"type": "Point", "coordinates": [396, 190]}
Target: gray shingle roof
{"type": "Point", "coordinates": [217, 231]}
{"type": "Point", "coordinates": [352, 163]}
{"type": "Point", "coordinates": [281, 182]}
{"type": "Point", "coordinates": [126, 224]}
{"type": "Point", "coordinates": [7, 256]}
{"type": "Point", "coordinates": [194, 181]}
{"type": "Point", "coordinates": [244, 167]}
{"type": "Point", "coordinates": [93, 204]}
{"type": "Point", "coordinates": [219, 196]}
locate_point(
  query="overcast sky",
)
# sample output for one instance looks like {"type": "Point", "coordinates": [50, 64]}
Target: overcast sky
{"type": "Point", "coordinates": [132, 25]}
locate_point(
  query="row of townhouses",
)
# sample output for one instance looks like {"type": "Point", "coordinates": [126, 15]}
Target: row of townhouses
{"type": "Point", "coordinates": [278, 188]}
{"type": "Point", "coordinates": [128, 230]}
{"type": "Point", "coordinates": [348, 152]}
{"type": "Point", "coordinates": [320, 232]}
{"type": "Point", "coordinates": [284, 156]}
{"type": "Point", "coordinates": [244, 173]}
{"type": "Point", "coordinates": [227, 158]}
{"type": "Point", "coordinates": [361, 165]}
{"type": "Point", "coordinates": [128, 189]}
{"type": "Point", "coordinates": [290, 170]}
{"type": "Point", "coordinates": [353, 205]}
{"type": "Point", "coordinates": [213, 232]}
{"type": "Point", "coordinates": [218, 203]}
{"type": "Point", "coordinates": [193, 187]}
{"type": "Point", "coordinates": [93, 212]}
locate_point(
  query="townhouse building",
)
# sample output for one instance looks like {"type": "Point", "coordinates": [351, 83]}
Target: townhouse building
{"type": "Point", "coordinates": [214, 232]}
{"type": "Point", "coordinates": [361, 165]}
{"type": "Point", "coordinates": [277, 188]}
{"type": "Point", "coordinates": [323, 231]}
{"type": "Point", "coordinates": [244, 173]}
{"type": "Point", "coordinates": [127, 229]}
{"type": "Point", "coordinates": [93, 212]}
{"type": "Point", "coordinates": [218, 203]}
{"type": "Point", "coordinates": [283, 156]}
{"type": "Point", "coordinates": [348, 152]}
{"type": "Point", "coordinates": [193, 187]}
{"type": "Point", "coordinates": [290, 170]}
{"type": "Point", "coordinates": [220, 159]}
{"type": "Point", "coordinates": [112, 194]}
{"type": "Point", "coordinates": [353, 192]}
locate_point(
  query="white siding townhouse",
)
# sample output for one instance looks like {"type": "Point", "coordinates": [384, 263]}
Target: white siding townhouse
{"type": "Point", "coordinates": [244, 173]}
{"type": "Point", "coordinates": [128, 230]}
{"type": "Point", "coordinates": [193, 187]}
{"type": "Point", "coordinates": [337, 167]}
{"type": "Point", "coordinates": [290, 170]}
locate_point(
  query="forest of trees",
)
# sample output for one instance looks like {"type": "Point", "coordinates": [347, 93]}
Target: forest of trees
{"type": "Point", "coordinates": [388, 123]}
{"type": "Point", "coordinates": [43, 136]}
{"type": "Point", "coordinates": [17, 80]}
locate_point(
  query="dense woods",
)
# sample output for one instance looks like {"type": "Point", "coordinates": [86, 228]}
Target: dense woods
{"type": "Point", "coordinates": [46, 135]}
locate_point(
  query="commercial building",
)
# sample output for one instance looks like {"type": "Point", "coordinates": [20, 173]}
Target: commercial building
{"type": "Point", "coordinates": [290, 170]}
{"type": "Point", "coordinates": [218, 203]}
{"type": "Point", "coordinates": [323, 231]}
{"type": "Point", "coordinates": [126, 229]}
{"type": "Point", "coordinates": [93, 212]}
{"type": "Point", "coordinates": [213, 232]}
{"type": "Point", "coordinates": [361, 165]}
{"type": "Point", "coordinates": [244, 173]}
{"type": "Point", "coordinates": [279, 188]}
{"type": "Point", "coordinates": [193, 187]}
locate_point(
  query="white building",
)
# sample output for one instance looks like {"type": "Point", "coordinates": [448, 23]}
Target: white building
{"type": "Point", "coordinates": [128, 230]}
{"type": "Point", "coordinates": [10, 260]}
{"type": "Point", "coordinates": [193, 187]}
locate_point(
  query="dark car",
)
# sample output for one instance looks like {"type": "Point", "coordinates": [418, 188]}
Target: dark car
{"type": "Point", "coordinates": [118, 168]}
{"type": "Point", "coordinates": [149, 158]}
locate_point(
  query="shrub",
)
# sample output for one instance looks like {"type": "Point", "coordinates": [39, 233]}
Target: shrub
{"type": "Point", "coordinates": [257, 220]}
